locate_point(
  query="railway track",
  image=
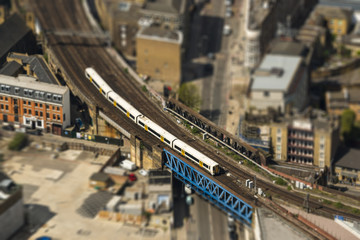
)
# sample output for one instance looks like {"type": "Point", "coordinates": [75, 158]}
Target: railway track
{"type": "Point", "coordinates": [76, 53]}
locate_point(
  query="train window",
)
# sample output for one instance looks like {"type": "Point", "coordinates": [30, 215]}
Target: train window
{"type": "Point", "coordinates": [177, 148]}
{"type": "Point", "coordinates": [141, 123]}
{"type": "Point", "coordinates": [167, 141]}
{"type": "Point", "coordinates": [122, 109]}
{"type": "Point", "coordinates": [96, 85]}
{"type": "Point", "coordinates": [191, 156]}
{"type": "Point", "coordinates": [132, 117]}
{"type": "Point", "coordinates": [155, 133]}
{"type": "Point", "coordinates": [205, 165]}
{"type": "Point", "coordinates": [111, 99]}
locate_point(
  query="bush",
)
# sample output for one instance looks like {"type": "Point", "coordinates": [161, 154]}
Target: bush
{"type": "Point", "coordinates": [19, 141]}
{"type": "Point", "coordinates": [339, 205]}
{"type": "Point", "coordinates": [289, 188]}
{"type": "Point", "coordinates": [280, 181]}
{"type": "Point", "coordinates": [347, 125]}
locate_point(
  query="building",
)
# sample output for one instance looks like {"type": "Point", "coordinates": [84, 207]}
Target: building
{"type": "Point", "coordinates": [280, 82]}
{"type": "Point", "coordinates": [12, 215]}
{"type": "Point", "coordinates": [262, 19]}
{"type": "Point", "coordinates": [15, 36]}
{"type": "Point", "coordinates": [121, 19]}
{"type": "Point", "coordinates": [159, 54]}
{"type": "Point", "coordinates": [159, 190]}
{"type": "Point", "coordinates": [27, 102]}
{"type": "Point", "coordinates": [347, 165]}
{"type": "Point", "coordinates": [337, 102]}
{"type": "Point", "coordinates": [311, 141]}
{"type": "Point", "coordinates": [352, 43]}
{"type": "Point", "coordinates": [338, 20]}
{"type": "Point", "coordinates": [99, 180]}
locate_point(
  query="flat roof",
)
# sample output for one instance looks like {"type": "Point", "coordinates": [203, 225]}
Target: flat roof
{"type": "Point", "coordinates": [31, 83]}
{"type": "Point", "coordinates": [10, 68]}
{"type": "Point", "coordinates": [288, 66]}
{"type": "Point", "coordinates": [160, 34]}
{"type": "Point", "coordinates": [167, 6]}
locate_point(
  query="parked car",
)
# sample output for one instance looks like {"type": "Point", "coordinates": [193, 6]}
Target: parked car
{"type": "Point", "coordinates": [143, 172]}
{"type": "Point", "coordinates": [132, 177]}
{"type": "Point", "coordinates": [8, 128]}
{"type": "Point", "coordinates": [226, 30]}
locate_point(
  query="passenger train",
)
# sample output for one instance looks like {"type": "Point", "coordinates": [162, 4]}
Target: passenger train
{"type": "Point", "coordinates": [185, 150]}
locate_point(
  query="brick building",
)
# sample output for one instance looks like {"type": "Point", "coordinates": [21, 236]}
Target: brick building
{"type": "Point", "coordinates": [24, 101]}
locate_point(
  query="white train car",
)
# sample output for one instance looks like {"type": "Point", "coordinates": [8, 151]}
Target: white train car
{"type": "Point", "coordinates": [98, 82]}
{"type": "Point", "coordinates": [124, 106]}
{"type": "Point", "coordinates": [156, 130]}
{"type": "Point", "coordinates": [197, 157]}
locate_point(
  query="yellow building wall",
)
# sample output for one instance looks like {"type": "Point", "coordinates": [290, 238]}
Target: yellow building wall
{"type": "Point", "coordinates": [338, 26]}
{"type": "Point", "coordinates": [160, 60]}
{"type": "Point", "coordinates": [283, 143]}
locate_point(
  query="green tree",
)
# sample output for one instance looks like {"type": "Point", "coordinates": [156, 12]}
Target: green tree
{"type": "Point", "coordinates": [19, 141]}
{"type": "Point", "coordinates": [189, 95]}
{"type": "Point", "coordinates": [347, 125]}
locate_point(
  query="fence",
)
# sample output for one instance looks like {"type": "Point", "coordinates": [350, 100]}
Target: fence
{"type": "Point", "coordinates": [93, 138]}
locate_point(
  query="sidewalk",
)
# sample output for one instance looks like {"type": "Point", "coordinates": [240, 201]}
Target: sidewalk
{"type": "Point", "coordinates": [239, 76]}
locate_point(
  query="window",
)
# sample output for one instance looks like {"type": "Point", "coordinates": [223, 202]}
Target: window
{"type": "Point", "coordinates": [36, 94]}
{"type": "Point", "coordinates": [322, 155]}
{"type": "Point", "coordinates": [2, 87]}
{"type": "Point", "coordinates": [29, 111]}
{"type": "Point", "coordinates": [36, 113]}
{"type": "Point", "coordinates": [55, 97]}
{"type": "Point", "coordinates": [47, 106]}
{"type": "Point", "coordinates": [16, 118]}
{"type": "Point", "coordinates": [64, 117]}
{"type": "Point", "coordinates": [6, 107]}
{"type": "Point", "coordinates": [47, 115]}
{"type": "Point", "coordinates": [59, 98]}
{"type": "Point", "coordinates": [27, 121]}
{"type": "Point", "coordinates": [48, 96]}
{"type": "Point", "coordinates": [7, 88]}
{"type": "Point", "coordinates": [36, 104]}
{"type": "Point", "coordinates": [41, 94]}
{"type": "Point", "coordinates": [266, 93]}
{"type": "Point", "coordinates": [58, 117]}
{"type": "Point", "coordinates": [29, 103]}
{"type": "Point", "coordinates": [39, 123]}
{"type": "Point", "coordinates": [41, 114]}
{"type": "Point", "coordinates": [2, 106]}
{"type": "Point", "coordinates": [31, 93]}
{"type": "Point", "coordinates": [278, 156]}
{"type": "Point", "coordinates": [278, 147]}
{"type": "Point", "coordinates": [58, 108]}
{"type": "Point", "coordinates": [26, 92]}
{"type": "Point", "coordinates": [1, 98]}
{"type": "Point", "coordinates": [17, 90]}
{"type": "Point", "coordinates": [40, 105]}
{"type": "Point", "coordinates": [278, 139]}
{"type": "Point", "coordinates": [279, 131]}
{"type": "Point", "coordinates": [25, 110]}
{"type": "Point", "coordinates": [6, 98]}
{"type": "Point", "coordinates": [54, 116]}
{"type": "Point", "coordinates": [322, 146]}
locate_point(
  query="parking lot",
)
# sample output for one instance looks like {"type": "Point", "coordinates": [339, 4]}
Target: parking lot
{"type": "Point", "coordinates": [55, 187]}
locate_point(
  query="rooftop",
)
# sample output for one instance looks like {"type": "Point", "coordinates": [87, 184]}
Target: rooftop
{"type": "Point", "coordinates": [28, 82]}
{"type": "Point", "coordinates": [11, 31]}
{"type": "Point", "coordinates": [37, 65]}
{"type": "Point", "coordinates": [334, 12]}
{"type": "Point", "coordinates": [11, 68]}
{"type": "Point", "coordinates": [258, 10]}
{"type": "Point", "coordinates": [276, 72]}
{"type": "Point", "coordinates": [160, 34]}
{"type": "Point", "coordinates": [99, 176]}
{"type": "Point", "coordinates": [348, 158]}
{"type": "Point", "coordinates": [348, 95]}
{"type": "Point", "coordinates": [167, 6]}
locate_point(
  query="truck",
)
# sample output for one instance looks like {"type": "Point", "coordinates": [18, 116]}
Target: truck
{"type": "Point", "coordinates": [127, 164]}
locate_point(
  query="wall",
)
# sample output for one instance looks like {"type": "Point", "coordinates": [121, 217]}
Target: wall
{"type": "Point", "coordinates": [159, 59]}
{"type": "Point", "coordinates": [12, 219]}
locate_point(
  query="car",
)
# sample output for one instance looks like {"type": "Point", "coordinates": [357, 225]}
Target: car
{"type": "Point", "coordinates": [228, 12]}
{"type": "Point", "coordinates": [143, 172]}
{"type": "Point", "coordinates": [36, 132]}
{"type": "Point", "coordinates": [132, 177]}
{"type": "Point", "coordinates": [8, 128]}
{"type": "Point", "coordinates": [211, 56]}
{"type": "Point", "coordinates": [228, 3]}
{"type": "Point", "coordinates": [227, 30]}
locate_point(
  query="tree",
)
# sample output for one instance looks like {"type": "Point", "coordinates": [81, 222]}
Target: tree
{"type": "Point", "coordinates": [189, 95]}
{"type": "Point", "coordinates": [19, 141]}
{"type": "Point", "coordinates": [347, 125]}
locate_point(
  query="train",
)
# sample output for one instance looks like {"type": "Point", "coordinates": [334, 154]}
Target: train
{"type": "Point", "coordinates": [149, 126]}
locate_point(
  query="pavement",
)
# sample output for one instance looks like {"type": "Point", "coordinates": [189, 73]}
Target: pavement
{"type": "Point", "coordinates": [326, 224]}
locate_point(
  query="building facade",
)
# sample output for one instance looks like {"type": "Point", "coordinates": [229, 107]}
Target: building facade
{"type": "Point", "coordinates": [337, 102]}
{"type": "Point", "coordinates": [305, 141]}
{"type": "Point", "coordinates": [26, 102]}
{"type": "Point", "coordinates": [347, 167]}
{"type": "Point", "coordinates": [159, 54]}
{"type": "Point", "coordinates": [280, 82]}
